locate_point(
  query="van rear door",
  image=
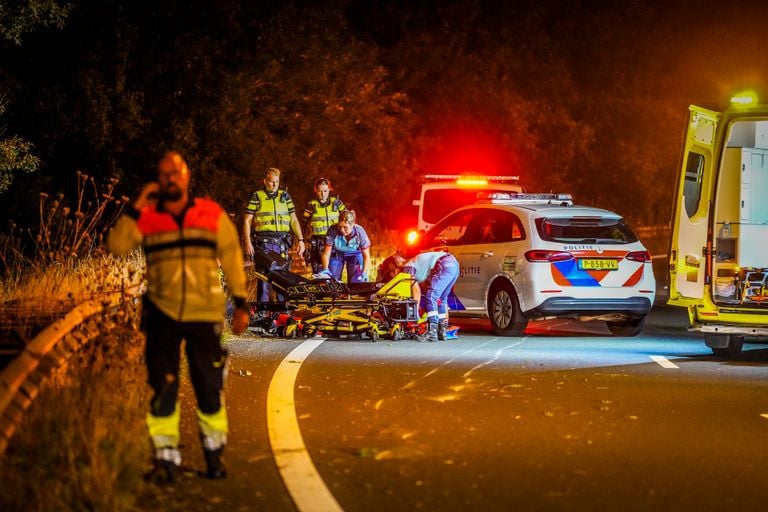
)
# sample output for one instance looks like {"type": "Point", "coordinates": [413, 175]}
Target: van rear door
{"type": "Point", "coordinates": [690, 241]}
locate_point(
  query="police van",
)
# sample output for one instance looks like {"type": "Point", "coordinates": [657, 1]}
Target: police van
{"type": "Point", "coordinates": [442, 193]}
{"type": "Point", "coordinates": [718, 258]}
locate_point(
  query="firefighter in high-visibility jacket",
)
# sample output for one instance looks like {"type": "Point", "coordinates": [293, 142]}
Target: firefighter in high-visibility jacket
{"type": "Point", "coordinates": [185, 241]}
{"type": "Point", "coordinates": [270, 219]}
{"type": "Point", "coordinates": [320, 214]}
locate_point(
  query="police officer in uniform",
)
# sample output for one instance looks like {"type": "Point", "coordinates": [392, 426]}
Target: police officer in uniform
{"type": "Point", "coordinates": [320, 214]}
{"type": "Point", "coordinates": [270, 218]}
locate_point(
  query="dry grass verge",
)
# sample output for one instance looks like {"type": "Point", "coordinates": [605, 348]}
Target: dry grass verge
{"type": "Point", "coordinates": [82, 445]}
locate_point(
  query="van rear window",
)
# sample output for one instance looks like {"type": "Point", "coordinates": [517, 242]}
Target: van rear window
{"type": "Point", "coordinates": [585, 230]}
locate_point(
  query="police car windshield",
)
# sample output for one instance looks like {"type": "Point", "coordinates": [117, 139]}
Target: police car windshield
{"type": "Point", "coordinates": [586, 230]}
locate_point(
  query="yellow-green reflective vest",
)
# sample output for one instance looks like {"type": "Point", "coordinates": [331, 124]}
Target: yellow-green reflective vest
{"type": "Point", "coordinates": [321, 217]}
{"type": "Point", "coordinates": [271, 214]}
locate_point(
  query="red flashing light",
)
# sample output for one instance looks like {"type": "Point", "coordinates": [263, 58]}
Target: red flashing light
{"type": "Point", "coordinates": [412, 237]}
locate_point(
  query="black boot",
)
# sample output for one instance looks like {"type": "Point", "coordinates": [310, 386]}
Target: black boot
{"type": "Point", "coordinates": [442, 326]}
{"type": "Point", "coordinates": [215, 468]}
{"type": "Point", "coordinates": [431, 333]}
{"type": "Point", "coordinates": [163, 472]}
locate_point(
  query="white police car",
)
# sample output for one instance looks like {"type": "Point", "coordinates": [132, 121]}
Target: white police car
{"type": "Point", "coordinates": [533, 256]}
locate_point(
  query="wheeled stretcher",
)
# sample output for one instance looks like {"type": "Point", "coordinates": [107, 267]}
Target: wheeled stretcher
{"type": "Point", "coordinates": [332, 308]}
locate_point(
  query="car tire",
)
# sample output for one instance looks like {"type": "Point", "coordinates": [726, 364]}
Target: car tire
{"type": "Point", "coordinates": [731, 350]}
{"type": "Point", "coordinates": [504, 310]}
{"type": "Point", "coordinates": [627, 328]}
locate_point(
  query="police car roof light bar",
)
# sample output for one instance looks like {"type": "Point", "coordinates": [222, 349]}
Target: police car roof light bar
{"type": "Point", "coordinates": [520, 198]}
{"type": "Point", "coordinates": [455, 177]}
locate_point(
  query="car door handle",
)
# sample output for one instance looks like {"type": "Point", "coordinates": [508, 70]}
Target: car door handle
{"type": "Point", "coordinates": [486, 254]}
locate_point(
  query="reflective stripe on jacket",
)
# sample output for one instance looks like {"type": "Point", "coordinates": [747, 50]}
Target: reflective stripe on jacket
{"type": "Point", "coordinates": [321, 217]}
{"type": "Point", "coordinates": [271, 213]}
{"type": "Point", "coordinates": [183, 258]}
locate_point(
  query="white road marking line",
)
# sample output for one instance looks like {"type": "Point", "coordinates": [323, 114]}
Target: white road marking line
{"type": "Point", "coordinates": [664, 362]}
{"type": "Point", "coordinates": [495, 358]}
{"type": "Point", "coordinates": [307, 489]}
{"type": "Point", "coordinates": [435, 370]}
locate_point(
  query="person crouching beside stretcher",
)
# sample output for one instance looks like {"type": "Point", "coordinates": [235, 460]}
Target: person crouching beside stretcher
{"type": "Point", "coordinates": [436, 272]}
{"type": "Point", "coordinates": [347, 245]}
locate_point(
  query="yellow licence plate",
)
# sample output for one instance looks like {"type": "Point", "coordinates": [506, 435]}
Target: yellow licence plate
{"type": "Point", "coordinates": [602, 264]}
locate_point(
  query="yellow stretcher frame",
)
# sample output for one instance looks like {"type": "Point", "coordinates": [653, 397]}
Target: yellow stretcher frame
{"type": "Point", "coordinates": [383, 314]}
{"type": "Point", "coordinates": [333, 308]}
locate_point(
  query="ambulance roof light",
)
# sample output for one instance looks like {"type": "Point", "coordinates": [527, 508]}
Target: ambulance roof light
{"type": "Point", "coordinates": [744, 99]}
{"type": "Point", "coordinates": [471, 181]}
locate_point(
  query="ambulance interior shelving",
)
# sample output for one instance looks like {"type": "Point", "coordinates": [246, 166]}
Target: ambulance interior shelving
{"type": "Point", "coordinates": [740, 263]}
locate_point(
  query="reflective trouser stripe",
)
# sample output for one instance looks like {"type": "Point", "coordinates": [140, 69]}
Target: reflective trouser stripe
{"type": "Point", "coordinates": [431, 315]}
{"type": "Point", "coordinates": [169, 454]}
{"type": "Point", "coordinates": [164, 430]}
{"type": "Point", "coordinates": [213, 428]}
{"type": "Point", "coordinates": [223, 363]}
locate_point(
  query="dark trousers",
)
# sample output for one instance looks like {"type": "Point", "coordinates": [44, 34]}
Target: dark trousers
{"type": "Point", "coordinates": [315, 248]}
{"type": "Point", "coordinates": [205, 356]}
{"type": "Point", "coordinates": [263, 289]}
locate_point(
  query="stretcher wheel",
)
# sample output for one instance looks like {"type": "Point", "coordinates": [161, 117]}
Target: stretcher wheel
{"type": "Point", "coordinates": [396, 333]}
{"type": "Point", "coordinates": [288, 331]}
{"type": "Point", "coordinates": [374, 334]}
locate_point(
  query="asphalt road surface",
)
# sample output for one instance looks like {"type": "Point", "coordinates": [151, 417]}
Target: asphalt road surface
{"type": "Point", "coordinates": [566, 417]}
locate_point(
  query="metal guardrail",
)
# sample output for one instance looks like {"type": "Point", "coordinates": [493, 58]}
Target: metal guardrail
{"type": "Point", "coordinates": [21, 380]}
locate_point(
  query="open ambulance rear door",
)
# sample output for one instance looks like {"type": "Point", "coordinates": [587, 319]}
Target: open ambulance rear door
{"type": "Point", "coordinates": [690, 232]}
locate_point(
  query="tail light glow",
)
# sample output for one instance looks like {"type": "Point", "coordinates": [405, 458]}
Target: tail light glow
{"type": "Point", "coordinates": [639, 256]}
{"type": "Point", "coordinates": [539, 255]}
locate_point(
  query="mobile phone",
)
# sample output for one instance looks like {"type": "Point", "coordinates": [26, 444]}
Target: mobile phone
{"type": "Point", "coordinates": [158, 196]}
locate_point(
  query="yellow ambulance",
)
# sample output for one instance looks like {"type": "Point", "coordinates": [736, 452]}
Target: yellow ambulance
{"type": "Point", "coordinates": [718, 258]}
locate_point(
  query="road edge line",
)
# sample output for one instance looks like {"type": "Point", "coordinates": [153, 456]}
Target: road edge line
{"type": "Point", "coordinates": [304, 484]}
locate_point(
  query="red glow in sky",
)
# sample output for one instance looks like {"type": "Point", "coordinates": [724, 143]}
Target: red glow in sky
{"type": "Point", "coordinates": [469, 149]}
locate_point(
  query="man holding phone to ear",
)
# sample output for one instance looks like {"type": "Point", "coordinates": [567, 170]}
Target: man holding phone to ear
{"type": "Point", "coordinates": [185, 241]}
